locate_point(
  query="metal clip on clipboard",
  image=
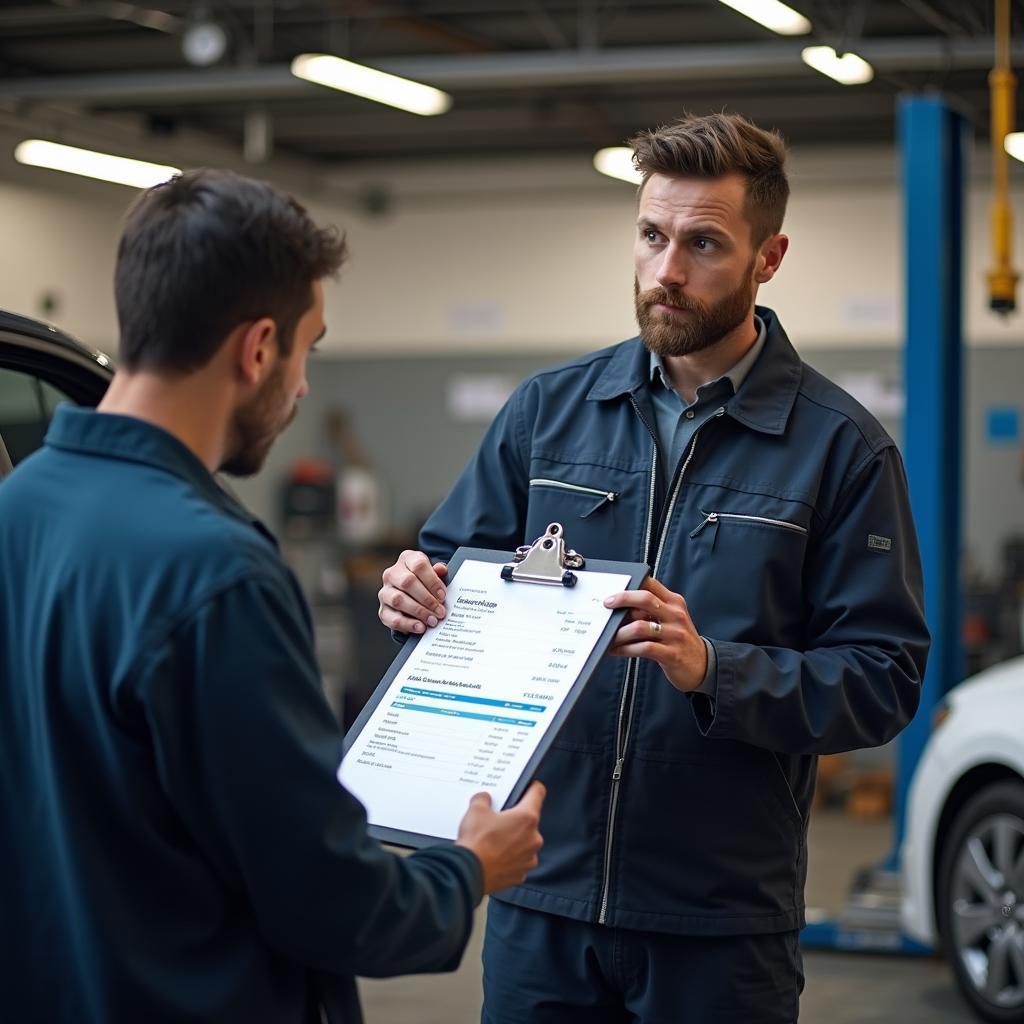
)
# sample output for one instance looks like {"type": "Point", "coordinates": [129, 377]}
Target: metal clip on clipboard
{"type": "Point", "coordinates": [545, 561]}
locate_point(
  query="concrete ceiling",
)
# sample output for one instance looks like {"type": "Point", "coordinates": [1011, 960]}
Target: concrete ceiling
{"type": "Point", "coordinates": [528, 77]}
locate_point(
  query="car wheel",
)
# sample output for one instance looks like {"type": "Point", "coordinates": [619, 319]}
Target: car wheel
{"type": "Point", "coordinates": [981, 901]}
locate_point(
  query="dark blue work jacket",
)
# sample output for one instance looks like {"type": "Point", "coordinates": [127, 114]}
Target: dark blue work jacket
{"type": "Point", "coordinates": [174, 845]}
{"type": "Point", "coordinates": [787, 528]}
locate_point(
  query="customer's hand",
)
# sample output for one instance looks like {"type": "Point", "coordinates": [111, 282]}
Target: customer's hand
{"type": "Point", "coordinates": [412, 597]}
{"type": "Point", "coordinates": [506, 842]}
{"type": "Point", "coordinates": [658, 626]}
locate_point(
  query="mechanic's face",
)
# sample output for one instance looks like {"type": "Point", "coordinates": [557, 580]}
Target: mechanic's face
{"type": "Point", "coordinates": [256, 424]}
{"type": "Point", "coordinates": [695, 262]}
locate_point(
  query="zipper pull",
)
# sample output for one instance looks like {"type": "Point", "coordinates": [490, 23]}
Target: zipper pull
{"type": "Point", "coordinates": [709, 517]}
{"type": "Point", "coordinates": [609, 499]}
{"type": "Point", "coordinates": [617, 773]}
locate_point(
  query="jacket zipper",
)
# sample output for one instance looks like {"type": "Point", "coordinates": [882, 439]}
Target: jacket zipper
{"type": "Point", "coordinates": [607, 497]}
{"type": "Point", "coordinates": [625, 720]}
{"type": "Point", "coordinates": [714, 517]}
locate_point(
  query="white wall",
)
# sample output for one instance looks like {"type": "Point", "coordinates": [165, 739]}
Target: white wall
{"type": "Point", "coordinates": [61, 244]}
{"type": "Point", "coordinates": [519, 257]}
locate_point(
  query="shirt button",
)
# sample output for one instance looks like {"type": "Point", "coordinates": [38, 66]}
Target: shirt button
{"type": "Point", "coordinates": [689, 414]}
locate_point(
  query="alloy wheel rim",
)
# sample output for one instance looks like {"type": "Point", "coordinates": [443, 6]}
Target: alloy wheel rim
{"type": "Point", "coordinates": [987, 912]}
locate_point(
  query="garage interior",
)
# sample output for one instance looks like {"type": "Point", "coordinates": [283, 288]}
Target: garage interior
{"type": "Point", "coordinates": [485, 245]}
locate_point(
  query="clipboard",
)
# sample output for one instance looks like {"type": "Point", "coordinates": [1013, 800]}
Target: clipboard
{"type": "Point", "coordinates": [546, 562]}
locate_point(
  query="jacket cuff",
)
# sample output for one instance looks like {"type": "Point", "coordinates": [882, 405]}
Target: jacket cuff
{"type": "Point", "coordinates": [474, 873]}
{"type": "Point", "coordinates": [709, 684]}
{"type": "Point", "coordinates": [715, 710]}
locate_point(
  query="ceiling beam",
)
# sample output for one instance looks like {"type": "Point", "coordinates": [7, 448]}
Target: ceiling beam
{"type": "Point", "coordinates": [567, 118]}
{"type": "Point", "coordinates": [505, 71]}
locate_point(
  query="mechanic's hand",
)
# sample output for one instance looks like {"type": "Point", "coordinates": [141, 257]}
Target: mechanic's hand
{"type": "Point", "coordinates": [506, 842]}
{"type": "Point", "coordinates": [658, 626]}
{"type": "Point", "coordinates": [412, 597]}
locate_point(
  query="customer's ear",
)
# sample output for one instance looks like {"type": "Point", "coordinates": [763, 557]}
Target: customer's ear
{"type": "Point", "coordinates": [256, 348]}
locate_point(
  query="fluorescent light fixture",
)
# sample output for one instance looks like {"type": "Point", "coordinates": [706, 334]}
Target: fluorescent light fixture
{"type": "Point", "coordinates": [848, 69]}
{"type": "Point", "coordinates": [772, 14]}
{"type": "Point", "coordinates": [617, 162]}
{"type": "Point", "coordinates": [90, 164]}
{"type": "Point", "coordinates": [1014, 145]}
{"type": "Point", "coordinates": [371, 84]}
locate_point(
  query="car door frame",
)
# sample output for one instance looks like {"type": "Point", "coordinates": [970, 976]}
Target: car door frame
{"type": "Point", "coordinates": [48, 355]}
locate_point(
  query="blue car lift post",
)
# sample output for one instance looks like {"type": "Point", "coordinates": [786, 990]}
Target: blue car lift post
{"type": "Point", "coordinates": [934, 141]}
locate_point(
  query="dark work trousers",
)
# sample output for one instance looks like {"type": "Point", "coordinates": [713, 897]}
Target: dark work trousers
{"type": "Point", "coordinates": [543, 969]}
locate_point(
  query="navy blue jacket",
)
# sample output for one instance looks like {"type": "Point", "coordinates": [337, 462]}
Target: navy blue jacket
{"type": "Point", "coordinates": [175, 845]}
{"type": "Point", "coordinates": [787, 528]}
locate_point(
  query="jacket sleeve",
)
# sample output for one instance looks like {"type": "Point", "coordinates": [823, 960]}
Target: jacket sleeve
{"type": "Point", "coordinates": [857, 681]}
{"type": "Point", "coordinates": [487, 505]}
{"type": "Point", "coordinates": [246, 750]}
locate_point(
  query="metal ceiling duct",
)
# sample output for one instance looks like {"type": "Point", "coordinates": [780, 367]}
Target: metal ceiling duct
{"type": "Point", "coordinates": [502, 71]}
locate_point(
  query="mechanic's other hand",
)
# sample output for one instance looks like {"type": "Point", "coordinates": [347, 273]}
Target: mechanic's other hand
{"type": "Point", "coordinates": [658, 626]}
{"type": "Point", "coordinates": [506, 842]}
{"type": "Point", "coordinates": [412, 597]}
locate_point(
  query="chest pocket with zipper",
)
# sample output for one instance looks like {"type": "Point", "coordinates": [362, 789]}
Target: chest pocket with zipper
{"type": "Point", "coordinates": [596, 505]}
{"type": "Point", "coordinates": [591, 498]}
{"type": "Point", "coordinates": [746, 570]}
{"type": "Point", "coordinates": [714, 519]}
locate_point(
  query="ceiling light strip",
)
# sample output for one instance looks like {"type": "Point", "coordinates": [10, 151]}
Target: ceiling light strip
{"type": "Point", "coordinates": [371, 84]}
{"type": "Point", "coordinates": [849, 69]}
{"type": "Point", "coordinates": [617, 162]}
{"type": "Point", "coordinates": [772, 14]}
{"type": "Point", "coordinates": [91, 164]}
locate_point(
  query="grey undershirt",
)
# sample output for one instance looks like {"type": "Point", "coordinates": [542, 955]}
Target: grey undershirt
{"type": "Point", "coordinates": [676, 423]}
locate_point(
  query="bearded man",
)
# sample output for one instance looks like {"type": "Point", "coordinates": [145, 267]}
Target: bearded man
{"type": "Point", "coordinates": [782, 618]}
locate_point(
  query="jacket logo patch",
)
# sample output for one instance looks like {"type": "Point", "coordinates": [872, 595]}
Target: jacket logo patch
{"type": "Point", "coordinates": [876, 543]}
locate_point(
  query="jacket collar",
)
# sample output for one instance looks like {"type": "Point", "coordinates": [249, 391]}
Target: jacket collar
{"type": "Point", "coordinates": [765, 399]}
{"type": "Point", "coordinates": [133, 440]}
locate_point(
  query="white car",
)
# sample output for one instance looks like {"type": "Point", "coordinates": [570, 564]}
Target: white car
{"type": "Point", "coordinates": [962, 858]}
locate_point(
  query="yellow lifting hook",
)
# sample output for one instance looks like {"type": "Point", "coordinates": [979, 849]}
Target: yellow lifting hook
{"type": "Point", "coordinates": [1002, 278]}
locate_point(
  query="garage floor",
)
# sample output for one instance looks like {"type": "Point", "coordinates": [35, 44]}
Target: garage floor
{"type": "Point", "coordinates": [841, 988]}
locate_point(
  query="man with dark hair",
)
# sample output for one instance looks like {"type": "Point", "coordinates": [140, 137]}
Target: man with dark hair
{"type": "Point", "coordinates": [176, 844]}
{"type": "Point", "coordinates": [782, 618]}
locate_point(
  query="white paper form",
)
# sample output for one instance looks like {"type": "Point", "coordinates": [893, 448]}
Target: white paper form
{"type": "Point", "coordinates": [469, 707]}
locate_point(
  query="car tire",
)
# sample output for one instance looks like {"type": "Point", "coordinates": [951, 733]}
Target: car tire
{"type": "Point", "coordinates": [980, 901]}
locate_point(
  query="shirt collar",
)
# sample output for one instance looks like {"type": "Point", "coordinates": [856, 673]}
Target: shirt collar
{"type": "Point", "coordinates": [735, 375]}
{"type": "Point", "coordinates": [108, 435]}
{"type": "Point", "coordinates": [769, 390]}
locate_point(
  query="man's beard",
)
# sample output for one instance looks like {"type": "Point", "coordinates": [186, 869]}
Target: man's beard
{"type": "Point", "coordinates": [255, 426]}
{"type": "Point", "coordinates": [670, 335]}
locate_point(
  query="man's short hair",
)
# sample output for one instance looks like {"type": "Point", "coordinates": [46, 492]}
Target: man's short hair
{"type": "Point", "coordinates": [714, 145]}
{"type": "Point", "coordinates": [207, 251]}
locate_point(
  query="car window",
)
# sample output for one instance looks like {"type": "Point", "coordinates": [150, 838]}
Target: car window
{"type": "Point", "coordinates": [26, 408]}
{"type": "Point", "coordinates": [52, 397]}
